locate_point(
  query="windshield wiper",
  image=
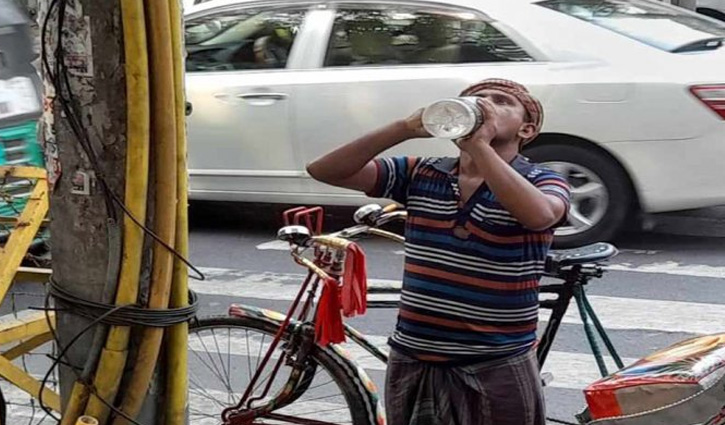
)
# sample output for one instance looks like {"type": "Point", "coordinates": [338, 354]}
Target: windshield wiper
{"type": "Point", "coordinates": [712, 43]}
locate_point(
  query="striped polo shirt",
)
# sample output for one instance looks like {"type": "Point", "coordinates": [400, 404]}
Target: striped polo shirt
{"type": "Point", "coordinates": [470, 286]}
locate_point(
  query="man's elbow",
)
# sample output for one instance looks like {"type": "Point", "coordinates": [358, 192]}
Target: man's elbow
{"type": "Point", "coordinates": [543, 221]}
{"type": "Point", "coordinates": [539, 225]}
{"type": "Point", "coordinates": [317, 172]}
{"type": "Point", "coordinates": [314, 170]}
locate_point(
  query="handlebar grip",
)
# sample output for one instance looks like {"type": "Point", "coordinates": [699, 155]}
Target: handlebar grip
{"type": "Point", "coordinates": [390, 208]}
{"type": "Point", "coordinates": [332, 242]}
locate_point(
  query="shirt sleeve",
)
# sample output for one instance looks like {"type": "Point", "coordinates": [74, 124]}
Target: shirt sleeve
{"type": "Point", "coordinates": [551, 183]}
{"type": "Point", "coordinates": [393, 177]}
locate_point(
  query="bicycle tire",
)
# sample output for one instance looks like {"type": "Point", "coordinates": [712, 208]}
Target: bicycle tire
{"type": "Point", "coordinates": [359, 402]}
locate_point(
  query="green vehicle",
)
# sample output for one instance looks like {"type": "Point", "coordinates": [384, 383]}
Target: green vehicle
{"type": "Point", "coordinates": [20, 106]}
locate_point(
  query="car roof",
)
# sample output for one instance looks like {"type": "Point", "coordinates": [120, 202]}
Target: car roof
{"type": "Point", "coordinates": [473, 4]}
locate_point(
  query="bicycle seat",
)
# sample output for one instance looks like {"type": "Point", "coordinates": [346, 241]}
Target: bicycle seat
{"type": "Point", "coordinates": [588, 254]}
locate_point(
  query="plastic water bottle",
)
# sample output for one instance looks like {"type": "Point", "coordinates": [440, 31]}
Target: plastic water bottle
{"type": "Point", "coordinates": [453, 118]}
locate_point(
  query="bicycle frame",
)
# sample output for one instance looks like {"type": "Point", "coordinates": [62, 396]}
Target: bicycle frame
{"type": "Point", "coordinates": [325, 265]}
{"type": "Point", "coordinates": [565, 292]}
{"type": "Point", "coordinates": [295, 385]}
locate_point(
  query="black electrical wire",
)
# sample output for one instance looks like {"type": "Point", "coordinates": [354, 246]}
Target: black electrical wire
{"type": "Point", "coordinates": [43, 38]}
{"type": "Point", "coordinates": [62, 356]}
{"type": "Point", "coordinates": [132, 315]}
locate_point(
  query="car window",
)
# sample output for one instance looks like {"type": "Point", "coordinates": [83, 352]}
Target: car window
{"type": "Point", "coordinates": [241, 39]}
{"type": "Point", "coordinates": [399, 35]}
{"type": "Point", "coordinates": [659, 25]}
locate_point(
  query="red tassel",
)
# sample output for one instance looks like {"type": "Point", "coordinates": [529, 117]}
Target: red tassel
{"type": "Point", "coordinates": [355, 286]}
{"type": "Point", "coordinates": [328, 322]}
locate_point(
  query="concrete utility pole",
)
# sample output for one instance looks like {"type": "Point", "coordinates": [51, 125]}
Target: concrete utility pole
{"type": "Point", "coordinates": [115, 133]}
{"type": "Point", "coordinates": [79, 214]}
{"type": "Point", "coordinates": [86, 227]}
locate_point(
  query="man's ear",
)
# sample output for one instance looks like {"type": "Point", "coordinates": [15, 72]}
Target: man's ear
{"type": "Point", "coordinates": [527, 131]}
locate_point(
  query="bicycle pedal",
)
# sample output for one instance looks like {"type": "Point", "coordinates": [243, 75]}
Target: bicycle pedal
{"type": "Point", "coordinates": [546, 378]}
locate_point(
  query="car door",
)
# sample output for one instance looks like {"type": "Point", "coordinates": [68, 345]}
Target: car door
{"type": "Point", "coordinates": [240, 84]}
{"type": "Point", "coordinates": [383, 61]}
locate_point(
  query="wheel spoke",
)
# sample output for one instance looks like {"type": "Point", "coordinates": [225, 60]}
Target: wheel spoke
{"type": "Point", "coordinates": [212, 385]}
{"type": "Point", "coordinates": [588, 191]}
{"type": "Point", "coordinates": [201, 391]}
{"type": "Point", "coordinates": [229, 361]}
{"type": "Point", "coordinates": [577, 219]}
{"type": "Point", "coordinates": [321, 385]}
{"type": "Point", "coordinates": [259, 355]}
{"type": "Point", "coordinates": [214, 370]}
{"type": "Point", "coordinates": [225, 370]}
{"type": "Point", "coordinates": [562, 168]}
{"type": "Point", "coordinates": [197, 412]}
{"type": "Point", "coordinates": [249, 358]}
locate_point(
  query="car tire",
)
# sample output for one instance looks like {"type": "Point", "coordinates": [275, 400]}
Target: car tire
{"type": "Point", "coordinates": [607, 208]}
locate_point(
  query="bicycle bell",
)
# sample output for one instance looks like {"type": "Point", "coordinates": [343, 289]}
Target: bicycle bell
{"type": "Point", "coordinates": [453, 118]}
{"type": "Point", "coordinates": [298, 235]}
{"type": "Point", "coordinates": [367, 214]}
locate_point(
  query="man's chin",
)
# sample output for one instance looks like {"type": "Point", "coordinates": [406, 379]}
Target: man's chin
{"type": "Point", "coordinates": [499, 143]}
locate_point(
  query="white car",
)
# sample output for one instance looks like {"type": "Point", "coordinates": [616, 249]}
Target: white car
{"type": "Point", "coordinates": [634, 94]}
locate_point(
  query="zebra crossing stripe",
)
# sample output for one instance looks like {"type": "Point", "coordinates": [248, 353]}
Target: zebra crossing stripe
{"type": "Point", "coordinates": [664, 267]}
{"type": "Point", "coordinates": [615, 312]}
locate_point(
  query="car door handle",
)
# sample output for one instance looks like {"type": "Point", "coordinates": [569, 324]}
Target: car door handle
{"type": "Point", "coordinates": [262, 96]}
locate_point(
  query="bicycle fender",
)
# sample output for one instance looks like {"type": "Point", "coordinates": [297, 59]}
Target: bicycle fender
{"type": "Point", "coordinates": [365, 387]}
{"type": "Point", "coordinates": [363, 384]}
{"type": "Point", "coordinates": [243, 310]}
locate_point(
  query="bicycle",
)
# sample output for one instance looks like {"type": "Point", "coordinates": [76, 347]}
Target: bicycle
{"type": "Point", "coordinates": [290, 339]}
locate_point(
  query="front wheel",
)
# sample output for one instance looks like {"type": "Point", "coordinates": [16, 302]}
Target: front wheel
{"type": "Point", "coordinates": [225, 352]}
{"type": "Point", "coordinates": [601, 195]}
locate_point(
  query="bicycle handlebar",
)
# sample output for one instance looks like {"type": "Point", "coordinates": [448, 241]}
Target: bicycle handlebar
{"type": "Point", "coordinates": [370, 217]}
{"type": "Point", "coordinates": [330, 241]}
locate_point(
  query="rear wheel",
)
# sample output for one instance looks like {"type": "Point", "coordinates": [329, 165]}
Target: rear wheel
{"type": "Point", "coordinates": [601, 195]}
{"type": "Point", "coordinates": [224, 354]}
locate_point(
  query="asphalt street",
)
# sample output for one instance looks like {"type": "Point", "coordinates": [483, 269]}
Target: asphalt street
{"type": "Point", "coordinates": [666, 285]}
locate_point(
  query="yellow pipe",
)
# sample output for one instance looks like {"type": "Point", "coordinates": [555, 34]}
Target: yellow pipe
{"type": "Point", "coordinates": [76, 404]}
{"type": "Point", "coordinates": [164, 138]}
{"type": "Point", "coordinates": [113, 358]}
{"type": "Point", "coordinates": [176, 345]}
{"type": "Point", "coordinates": [86, 420]}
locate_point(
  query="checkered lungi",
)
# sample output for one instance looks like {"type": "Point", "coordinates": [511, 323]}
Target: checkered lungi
{"type": "Point", "coordinates": [499, 392]}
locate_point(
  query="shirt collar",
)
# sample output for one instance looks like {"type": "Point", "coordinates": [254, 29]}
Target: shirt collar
{"type": "Point", "coordinates": [448, 165]}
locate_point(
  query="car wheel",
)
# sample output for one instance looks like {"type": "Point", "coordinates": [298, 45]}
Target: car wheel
{"type": "Point", "coordinates": [601, 195]}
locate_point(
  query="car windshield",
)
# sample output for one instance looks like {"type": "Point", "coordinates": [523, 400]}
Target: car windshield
{"type": "Point", "coordinates": [659, 25]}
